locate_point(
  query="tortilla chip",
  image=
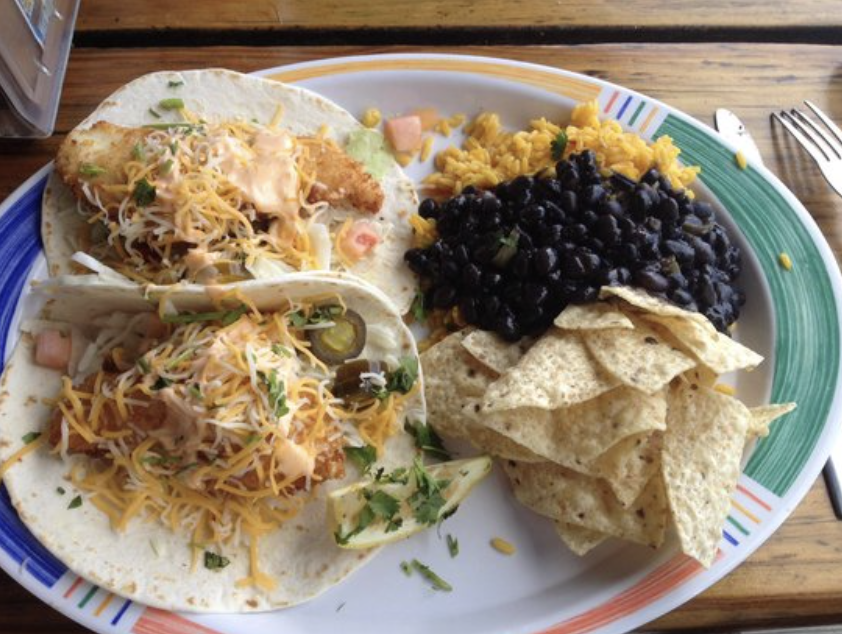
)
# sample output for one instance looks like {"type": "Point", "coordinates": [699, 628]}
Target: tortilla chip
{"type": "Point", "coordinates": [558, 371]}
{"type": "Point", "coordinates": [765, 415]}
{"type": "Point", "coordinates": [718, 352]}
{"type": "Point", "coordinates": [574, 436]}
{"type": "Point", "coordinates": [571, 497]}
{"type": "Point", "coordinates": [639, 358]}
{"type": "Point", "coordinates": [454, 383]}
{"type": "Point", "coordinates": [492, 351]}
{"type": "Point", "coordinates": [703, 445]}
{"type": "Point", "coordinates": [630, 464]}
{"type": "Point", "coordinates": [594, 316]}
{"type": "Point", "coordinates": [580, 540]}
{"type": "Point", "coordinates": [650, 304]}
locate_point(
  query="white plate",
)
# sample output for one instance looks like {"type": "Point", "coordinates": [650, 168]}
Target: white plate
{"type": "Point", "coordinates": [792, 318]}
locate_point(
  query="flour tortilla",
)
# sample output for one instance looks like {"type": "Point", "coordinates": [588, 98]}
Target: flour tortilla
{"type": "Point", "coordinates": [301, 555]}
{"type": "Point", "coordinates": [215, 95]}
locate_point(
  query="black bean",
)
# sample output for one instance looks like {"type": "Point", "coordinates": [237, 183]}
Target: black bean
{"type": "Point", "coordinates": [522, 264]}
{"type": "Point", "coordinates": [428, 208]}
{"type": "Point", "coordinates": [535, 293]}
{"type": "Point", "coordinates": [681, 297]}
{"type": "Point", "coordinates": [555, 214]}
{"type": "Point", "coordinates": [551, 235]}
{"type": "Point", "coordinates": [470, 309]}
{"type": "Point", "coordinates": [651, 177]}
{"type": "Point", "coordinates": [546, 261]}
{"type": "Point", "coordinates": [575, 233]}
{"type": "Point", "coordinates": [588, 218]}
{"type": "Point", "coordinates": [668, 211]}
{"type": "Point", "coordinates": [507, 325]}
{"type": "Point", "coordinates": [651, 280]}
{"type": "Point", "coordinates": [470, 190]}
{"type": "Point", "coordinates": [622, 182]}
{"type": "Point", "coordinates": [491, 280]}
{"type": "Point", "coordinates": [682, 251]}
{"type": "Point", "coordinates": [569, 202]}
{"type": "Point", "coordinates": [534, 214]}
{"type": "Point", "coordinates": [607, 230]}
{"type": "Point", "coordinates": [461, 255]}
{"type": "Point", "coordinates": [417, 260]}
{"type": "Point", "coordinates": [702, 210]}
{"type": "Point", "coordinates": [593, 195]}
{"type": "Point", "coordinates": [491, 305]}
{"type": "Point", "coordinates": [573, 266]}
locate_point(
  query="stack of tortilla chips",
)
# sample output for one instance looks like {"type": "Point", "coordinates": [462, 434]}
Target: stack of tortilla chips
{"type": "Point", "coordinates": [611, 423]}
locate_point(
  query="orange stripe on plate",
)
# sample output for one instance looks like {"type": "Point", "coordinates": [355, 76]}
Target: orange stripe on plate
{"type": "Point", "coordinates": [73, 587]}
{"type": "Point", "coordinates": [648, 119]}
{"type": "Point", "coordinates": [104, 604]}
{"type": "Point", "coordinates": [745, 511]}
{"type": "Point", "coordinates": [652, 587]}
{"type": "Point", "coordinates": [611, 101]}
{"type": "Point", "coordinates": [753, 497]}
{"type": "Point", "coordinates": [578, 89]}
{"type": "Point", "coordinates": [154, 621]}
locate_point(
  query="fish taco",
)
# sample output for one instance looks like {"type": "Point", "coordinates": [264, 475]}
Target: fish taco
{"type": "Point", "coordinates": [178, 448]}
{"type": "Point", "coordinates": [212, 176]}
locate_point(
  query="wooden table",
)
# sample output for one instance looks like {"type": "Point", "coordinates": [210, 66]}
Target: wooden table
{"type": "Point", "coordinates": [752, 57]}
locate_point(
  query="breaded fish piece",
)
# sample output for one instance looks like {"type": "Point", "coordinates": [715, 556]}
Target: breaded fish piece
{"type": "Point", "coordinates": [339, 178]}
{"type": "Point", "coordinates": [103, 145]}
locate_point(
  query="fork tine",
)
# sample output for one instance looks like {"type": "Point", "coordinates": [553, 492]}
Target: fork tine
{"type": "Point", "coordinates": [825, 120]}
{"type": "Point", "coordinates": [811, 148]}
{"type": "Point", "coordinates": [817, 132]}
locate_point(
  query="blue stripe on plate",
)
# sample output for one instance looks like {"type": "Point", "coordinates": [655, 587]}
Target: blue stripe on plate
{"type": "Point", "coordinates": [22, 547]}
{"type": "Point", "coordinates": [20, 243]}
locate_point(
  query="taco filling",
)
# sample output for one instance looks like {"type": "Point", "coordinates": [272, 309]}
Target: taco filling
{"type": "Point", "coordinates": [217, 202]}
{"type": "Point", "coordinates": [223, 423]}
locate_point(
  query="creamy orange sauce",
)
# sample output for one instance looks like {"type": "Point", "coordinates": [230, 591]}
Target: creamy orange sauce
{"type": "Point", "coordinates": [265, 171]}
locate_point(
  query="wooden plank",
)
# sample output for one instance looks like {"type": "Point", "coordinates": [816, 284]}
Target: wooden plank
{"type": "Point", "coordinates": [794, 577]}
{"type": "Point", "coordinates": [291, 15]}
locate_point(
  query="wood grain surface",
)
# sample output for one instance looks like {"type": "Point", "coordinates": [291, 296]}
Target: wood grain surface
{"type": "Point", "coordinates": [289, 15]}
{"type": "Point", "coordinates": [792, 579]}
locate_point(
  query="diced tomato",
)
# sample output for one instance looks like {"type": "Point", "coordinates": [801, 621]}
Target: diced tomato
{"type": "Point", "coordinates": [360, 239]}
{"type": "Point", "coordinates": [404, 133]}
{"type": "Point", "coordinates": [52, 349]}
{"type": "Point", "coordinates": [429, 117]}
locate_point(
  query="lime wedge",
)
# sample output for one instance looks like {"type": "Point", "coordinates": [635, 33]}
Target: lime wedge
{"type": "Point", "coordinates": [347, 506]}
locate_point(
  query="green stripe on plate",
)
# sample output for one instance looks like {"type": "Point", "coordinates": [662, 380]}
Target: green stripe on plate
{"type": "Point", "coordinates": [807, 335]}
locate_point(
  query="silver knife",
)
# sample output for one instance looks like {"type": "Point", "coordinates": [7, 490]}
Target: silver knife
{"type": "Point", "coordinates": [729, 126]}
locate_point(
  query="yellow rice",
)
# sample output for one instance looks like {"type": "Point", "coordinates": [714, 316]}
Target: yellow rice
{"type": "Point", "coordinates": [490, 155]}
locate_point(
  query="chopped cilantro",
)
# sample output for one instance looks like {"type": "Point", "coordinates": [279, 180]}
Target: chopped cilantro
{"type": "Point", "coordinates": [276, 392]}
{"type": "Point", "coordinates": [426, 439]}
{"type": "Point", "coordinates": [173, 103]}
{"type": "Point", "coordinates": [437, 582]}
{"type": "Point", "coordinates": [318, 315]}
{"type": "Point", "coordinates": [365, 518]}
{"type": "Point", "coordinates": [452, 545]}
{"type": "Point", "coordinates": [31, 437]}
{"type": "Point", "coordinates": [214, 561]}
{"type": "Point", "coordinates": [174, 84]}
{"type": "Point", "coordinates": [161, 383]}
{"type": "Point", "coordinates": [175, 124]}
{"type": "Point", "coordinates": [166, 168]}
{"type": "Point", "coordinates": [160, 461]}
{"type": "Point", "coordinates": [362, 457]}
{"type": "Point", "coordinates": [195, 391]}
{"type": "Point", "coordinates": [60, 490]}
{"type": "Point", "coordinates": [75, 503]}
{"type": "Point", "coordinates": [138, 153]}
{"type": "Point", "coordinates": [143, 364]}
{"type": "Point", "coordinates": [154, 113]}
{"type": "Point", "coordinates": [400, 380]}
{"type": "Point", "coordinates": [281, 351]}
{"type": "Point", "coordinates": [89, 169]}
{"type": "Point", "coordinates": [144, 194]}
{"type": "Point", "coordinates": [385, 507]}
{"type": "Point", "coordinates": [253, 438]}
{"type": "Point", "coordinates": [406, 568]}
{"type": "Point", "coordinates": [398, 476]}
{"type": "Point", "coordinates": [558, 145]}
{"type": "Point", "coordinates": [418, 309]}
{"type": "Point", "coordinates": [227, 317]}
{"type": "Point", "coordinates": [448, 513]}
{"type": "Point", "coordinates": [174, 148]}
{"type": "Point", "coordinates": [427, 501]}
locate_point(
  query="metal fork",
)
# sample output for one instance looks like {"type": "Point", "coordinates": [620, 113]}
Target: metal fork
{"type": "Point", "coordinates": [825, 147]}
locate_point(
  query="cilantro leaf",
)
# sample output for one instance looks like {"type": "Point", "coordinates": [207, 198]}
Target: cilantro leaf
{"type": "Point", "coordinates": [281, 351]}
{"type": "Point", "coordinates": [138, 153]}
{"type": "Point", "coordinates": [398, 476]}
{"type": "Point", "coordinates": [319, 315]}
{"type": "Point", "coordinates": [60, 490]}
{"type": "Point", "coordinates": [31, 437]}
{"type": "Point", "coordinates": [558, 145]}
{"type": "Point", "coordinates": [402, 379]}
{"type": "Point", "coordinates": [174, 84]}
{"type": "Point", "coordinates": [143, 365]}
{"type": "Point", "coordinates": [144, 194]}
{"type": "Point", "coordinates": [452, 545]}
{"type": "Point", "coordinates": [426, 439]}
{"type": "Point", "coordinates": [173, 103]}
{"type": "Point", "coordinates": [437, 582]}
{"type": "Point", "coordinates": [365, 518]}
{"type": "Point", "coordinates": [418, 309]}
{"type": "Point", "coordinates": [75, 503]}
{"type": "Point", "coordinates": [276, 392]}
{"type": "Point", "coordinates": [362, 457]}
{"type": "Point", "coordinates": [214, 561]}
{"type": "Point", "coordinates": [154, 113]}
{"type": "Point", "coordinates": [427, 501]}
{"type": "Point", "coordinates": [384, 506]}
{"type": "Point", "coordinates": [406, 568]}
{"type": "Point", "coordinates": [89, 169]}
{"type": "Point", "coordinates": [161, 383]}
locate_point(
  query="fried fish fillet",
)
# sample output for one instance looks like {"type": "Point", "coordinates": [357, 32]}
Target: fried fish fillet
{"type": "Point", "coordinates": [339, 179]}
